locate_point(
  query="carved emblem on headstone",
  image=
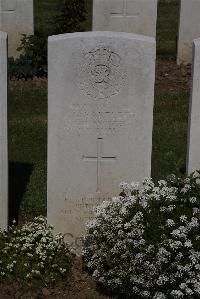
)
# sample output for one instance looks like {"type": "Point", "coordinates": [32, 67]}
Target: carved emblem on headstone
{"type": "Point", "coordinates": [101, 73]}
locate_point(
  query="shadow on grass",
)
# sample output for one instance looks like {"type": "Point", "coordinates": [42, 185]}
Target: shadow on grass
{"type": "Point", "coordinates": [19, 175]}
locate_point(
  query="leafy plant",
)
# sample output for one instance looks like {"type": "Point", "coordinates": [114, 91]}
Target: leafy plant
{"type": "Point", "coordinates": [33, 58]}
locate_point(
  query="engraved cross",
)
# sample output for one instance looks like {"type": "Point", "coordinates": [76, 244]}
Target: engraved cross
{"type": "Point", "coordinates": [124, 15]}
{"type": "Point", "coordinates": [98, 159]}
{"type": "Point", "coordinates": [8, 6]}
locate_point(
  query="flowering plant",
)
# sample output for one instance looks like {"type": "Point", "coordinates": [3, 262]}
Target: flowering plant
{"type": "Point", "coordinates": [33, 255]}
{"type": "Point", "coordinates": [146, 242]}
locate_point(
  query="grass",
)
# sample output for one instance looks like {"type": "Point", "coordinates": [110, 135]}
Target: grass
{"type": "Point", "coordinates": [170, 134]}
{"type": "Point", "coordinates": [167, 27]}
{"type": "Point", "coordinates": [28, 146]}
{"type": "Point", "coordinates": [28, 121]}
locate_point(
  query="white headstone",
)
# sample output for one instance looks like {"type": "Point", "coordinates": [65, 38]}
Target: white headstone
{"type": "Point", "coordinates": [193, 159]}
{"type": "Point", "coordinates": [101, 95]}
{"type": "Point", "coordinates": [133, 16]}
{"type": "Point", "coordinates": [189, 29]}
{"type": "Point", "coordinates": [3, 133]}
{"type": "Point", "coordinates": [16, 18]}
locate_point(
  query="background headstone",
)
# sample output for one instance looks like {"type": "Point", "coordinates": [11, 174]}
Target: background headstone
{"type": "Point", "coordinates": [16, 18]}
{"type": "Point", "coordinates": [193, 159]}
{"type": "Point", "coordinates": [189, 29]}
{"type": "Point", "coordinates": [3, 133]}
{"type": "Point", "coordinates": [101, 95]}
{"type": "Point", "coordinates": [133, 16]}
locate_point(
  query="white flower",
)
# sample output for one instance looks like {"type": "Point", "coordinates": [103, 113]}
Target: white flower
{"type": "Point", "coordinates": [189, 291]}
{"type": "Point", "coordinates": [183, 286]}
{"type": "Point", "coordinates": [195, 211]}
{"type": "Point", "coordinates": [92, 223]}
{"type": "Point", "coordinates": [162, 183]}
{"type": "Point", "coordinates": [177, 294]}
{"type": "Point", "coordinates": [171, 208]}
{"type": "Point", "coordinates": [170, 266]}
{"type": "Point", "coordinates": [198, 181]}
{"type": "Point", "coordinates": [163, 209]}
{"type": "Point", "coordinates": [188, 244]}
{"type": "Point", "coordinates": [138, 216]}
{"type": "Point", "coordinates": [162, 280]}
{"type": "Point", "coordinates": [186, 188]}
{"type": "Point", "coordinates": [197, 266]}
{"type": "Point", "coordinates": [159, 295]}
{"type": "Point", "coordinates": [145, 294]}
{"type": "Point", "coordinates": [194, 222]}
{"type": "Point", "coordinates": [187, 180]}
{"type": "Point", "coordinates": [170, 222]}
{"type": "Point", "coordinates": [135, 185]}
{"type": "Point", "coordinates": [183, 218]}
{"type": "Point", "coordinates": [193, 199]}
{"type": "Point", "coordinates": [195, 174]}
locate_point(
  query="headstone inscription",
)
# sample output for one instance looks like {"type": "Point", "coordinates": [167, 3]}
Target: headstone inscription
{"type": "Point", "coordinates": [189, 29]}
{"type": "Point", "coordinates": [16, 18]}
{"type": "Point", "coordinates": [133, 16]}
{"type": "Point", "coordinates": [101, 95]}
{"type": "Point", "coordinates": [193, 156]}
{"type": "Point", "coordinates": [3, 133]}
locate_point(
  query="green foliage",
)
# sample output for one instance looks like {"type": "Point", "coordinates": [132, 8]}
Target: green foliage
{"type": "Point", "coordinates": [44, 11]}
{"type": "Point", "coordinates": [33, 255]}
{"type": "Point", "coordinates": [72, 16]}
{"type": "Point", "coordinates": [33, 58]}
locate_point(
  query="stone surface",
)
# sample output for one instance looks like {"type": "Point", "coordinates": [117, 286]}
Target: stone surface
{"type": "Point", "coordinates": [189, 29]}
{"type": "Point", "coordinates": [3, 133]}
{"type": "Point", "coordinates": [16, 18]}
{"type": "Point", "coordinates": [193, 157]}
{"type": "Point", "coordinates": [101, 95]}
{"type": "Point", "coordinates": [133, 16]}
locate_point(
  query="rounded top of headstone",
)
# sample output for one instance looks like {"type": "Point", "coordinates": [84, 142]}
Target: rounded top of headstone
{"type": "Point", "coordinates": [109, 34]}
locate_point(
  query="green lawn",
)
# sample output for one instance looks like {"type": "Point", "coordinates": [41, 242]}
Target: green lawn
{"type": "Point", "coordinates": [167, 27]}
{"type": "Point", "coordinates": [28, 121]}
{"type": "Point", "coordinates": [170, 134]}
{"type": "Point", "coordinates": [28, 146]}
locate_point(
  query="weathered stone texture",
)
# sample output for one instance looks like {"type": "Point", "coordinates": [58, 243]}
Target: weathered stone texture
{"type": "Point", "coordinates": [101, 95]}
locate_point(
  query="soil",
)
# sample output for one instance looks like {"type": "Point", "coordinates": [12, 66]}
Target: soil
{"type": "Point", "coordinates": [81, 286]}
{"type": "Point", "coordinates": [169, 78]}
{"type": "Point", "coordinates": [172, 78]}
